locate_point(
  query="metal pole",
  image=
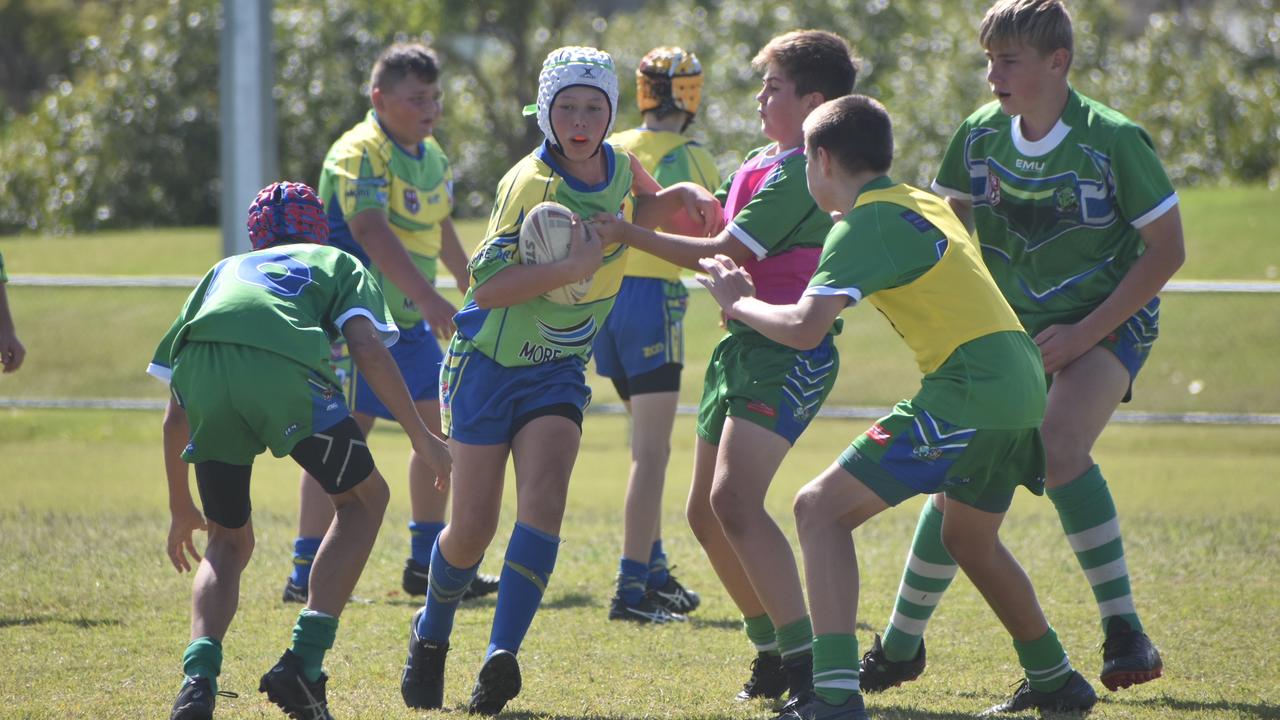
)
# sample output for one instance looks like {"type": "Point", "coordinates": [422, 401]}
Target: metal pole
{"type": "Point", "coordinates": [248, 127]}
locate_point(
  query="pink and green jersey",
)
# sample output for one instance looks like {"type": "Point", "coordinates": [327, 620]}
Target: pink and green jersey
{"type": "Point", "coordinates": [1058, 218]}
{"type": "Point", "coordinates": [767, 207]}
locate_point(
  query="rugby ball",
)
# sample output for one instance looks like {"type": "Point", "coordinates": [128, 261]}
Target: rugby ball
{"type": "Point", "coordinates": [544, 238]}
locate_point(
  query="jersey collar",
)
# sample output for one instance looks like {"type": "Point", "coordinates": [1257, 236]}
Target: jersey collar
{"type": "Point", "coordinates": [1046, 144]}
{"type": "Point", "coordinates": [544, 154]}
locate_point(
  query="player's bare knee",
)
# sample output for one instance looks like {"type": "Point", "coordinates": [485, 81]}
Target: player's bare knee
{"type": "Point", "coordinates": [702, 519]}
{"type": "Point", "coordinates": [732, 509]}
{"type": "Point", "coordinates": [967, 547]}
{"type": "Point", "coordinates": [372, 495]}
{"type": "Point", "coordinates": [229, 548]}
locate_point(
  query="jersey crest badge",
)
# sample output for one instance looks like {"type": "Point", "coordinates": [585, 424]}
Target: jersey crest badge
{"type": "Point", "coordinates": [411, 202]}
{"type": "Point", "coordinates": [1066, 202]}
{"type": "Point", "coordinates": [993, 189]}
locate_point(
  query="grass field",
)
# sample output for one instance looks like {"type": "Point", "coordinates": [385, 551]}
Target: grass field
{"type": "Point", "coordinates": [93, 619]}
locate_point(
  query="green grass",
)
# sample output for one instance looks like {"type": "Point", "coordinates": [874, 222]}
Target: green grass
{"type": "Point", "coordinates": [93, 620]}
{"type": "Point", "coordinates": [93, 342]}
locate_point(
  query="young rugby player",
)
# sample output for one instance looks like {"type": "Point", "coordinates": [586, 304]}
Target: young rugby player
{"type": "Point", "coordinates": [388, 191]}
{"type": "Point", "coordinates": [513, 383]}
{"type": "Point", "coordinates": [970, 433]}
{"type": "Point", "coordinates": [11, 351]}
{"type": "Point", "coordinates": [641, 346]}
{"type": "Point", "coordinates": [1080, 228]}
{"type": "Point", "coordinates": [248, 365]}
{"type": "Point", "coordinates": [758, 395]}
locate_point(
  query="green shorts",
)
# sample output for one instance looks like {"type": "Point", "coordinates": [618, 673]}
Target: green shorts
{"type": "Point", "coordinates": [241, 400]}
{"type": "Point", "coordinates": [910, 452]}
{"type": "Point", "coordinates": [776, 387]}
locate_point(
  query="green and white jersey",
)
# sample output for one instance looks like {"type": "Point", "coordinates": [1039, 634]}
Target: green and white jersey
{"type": "Point", "coordinates": [289, 299]}
{"type": "Point", "coordinates": [1058, 218]}
{"type": "Point", "coordinates": [539, 331]}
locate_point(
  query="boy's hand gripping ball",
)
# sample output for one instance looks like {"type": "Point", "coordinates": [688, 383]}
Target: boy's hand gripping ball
{"type": "Point", "coordinates": [544, 238]}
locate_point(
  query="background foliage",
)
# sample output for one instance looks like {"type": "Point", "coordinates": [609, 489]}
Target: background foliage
{"type": "Point", "coordinates": [109, 112]}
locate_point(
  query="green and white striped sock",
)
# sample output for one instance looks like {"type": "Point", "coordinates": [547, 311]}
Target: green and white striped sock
{"type": "Point", "coordinates": [929, 572]}
{"type": "Point", "coordinates": [1044, 662]}
{"type": "Point", "coordinates": [1088, 516]}
{"type": "Point", "coordinates": [835, 667]}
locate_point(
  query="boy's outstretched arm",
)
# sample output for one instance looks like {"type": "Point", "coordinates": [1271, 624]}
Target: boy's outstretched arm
{"type": "Point", "coordinates": [683, 250]}
{"type": "Point", "coordinates": [380, 369]}
{"type": "Point", "coordinates": [453, 256]}
{"type": "Point", "coordinates": [1165, 253]}
{"type": "Point", "coordinates": [683, 208]}
{"type": "Point", "coordinates": [801, 326]}
{"type": "Point", "coordinates": [515, 284]}
{"type": "Point", "coordinates": [184, 517]}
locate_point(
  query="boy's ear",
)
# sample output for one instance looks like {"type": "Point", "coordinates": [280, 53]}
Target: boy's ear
{"type": "Point", "coordinates": [375, 97]}
{"type": "Point", "coordinates": [1060, 60]}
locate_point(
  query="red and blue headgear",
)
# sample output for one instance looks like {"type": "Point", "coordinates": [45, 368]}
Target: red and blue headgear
{"type": "Point", "coordinates": [287, 212]}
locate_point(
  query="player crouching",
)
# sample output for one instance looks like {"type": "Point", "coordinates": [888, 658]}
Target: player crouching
{"type": "Point", "coordinates": [247, 362]}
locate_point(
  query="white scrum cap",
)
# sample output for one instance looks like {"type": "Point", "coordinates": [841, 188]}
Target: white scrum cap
{"type": "Point", "coordinates": [575, 65]}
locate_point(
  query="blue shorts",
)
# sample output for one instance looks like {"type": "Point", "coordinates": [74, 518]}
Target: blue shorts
{"type": "Point", "coordinates": [1131, 342]}
{"type": "Point", "coordinates": [484, 403]}
{"type": "Point", "coordinates": [418, 356]}
{"type": "Point", "coordinates": [644, 330]}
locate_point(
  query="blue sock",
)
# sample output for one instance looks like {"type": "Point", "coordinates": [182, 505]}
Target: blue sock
{"type": "Point", "coordinates": [304, 551]}
{"type": "Point", "coordinates": [631, 579]}
{"type": "Point", "coordinates": [422, 537]}
{"type": "Point", "coordinates": [445, 588]}
{"type": "Point", "coordinates": [658, 571]}
{"type": "Point", "coordinates": [531, 556]}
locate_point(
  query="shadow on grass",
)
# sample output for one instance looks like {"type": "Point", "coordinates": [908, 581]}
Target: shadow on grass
{"type": "Point", "coordinates": [1236, 709]}
{"type": "Point", "coordinates": [731, 624]}
{"type": "Point", "coordinates": [573, 600]}
{"type": "Point", "coordinates": [80, 622]}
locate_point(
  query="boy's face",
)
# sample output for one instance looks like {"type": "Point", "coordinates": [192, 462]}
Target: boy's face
{"type": "Point", "coordinates": [579, 117]}
{"type": "Point", "coordinates": [1020, 76]}
{"type": "Point", "coordinates": [782, 112]}
{"type": "Point", "coordinates": [409, 109]}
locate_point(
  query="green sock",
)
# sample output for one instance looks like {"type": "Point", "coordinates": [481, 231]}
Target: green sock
{"type": "Point", "coordinates": [929, 572]}
{"type": "Point", "coordinates": [795, 638]}
{"type": "Point", "coordinates": [312, 636]}
{"type": "Point", "coordinates": [835, 667]}
{"type": "Point", "coordinates": [203, 658]}
{"type": "Point", "coordinates": [761, 634]}
{"type": "Point", "coordinates": [1044, 662]}
{"type": "Point", "coordinates": [1088, 516]}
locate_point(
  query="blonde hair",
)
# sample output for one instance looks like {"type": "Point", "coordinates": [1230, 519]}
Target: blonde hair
{"type": "Point", "coordinates": [1044, 25]}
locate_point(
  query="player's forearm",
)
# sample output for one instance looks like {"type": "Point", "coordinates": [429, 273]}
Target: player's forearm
{"type": "Point", "coordinates": [682, 250]}
{"type": "Point", "coordinates": [1143, 281]}
{"type": "Point", "coordinates": [389, 255]}
{"type": "Point", "coordinates": [6, 320]}
{"type": "Point", "coordinates": [521, 283]}
{"type": "Point", "coordinates": [177, 432]}
{"type": "Point", "coordinates": [453, 256]}
{"type": "Point", "coordinates": [788, 325]}
{"type": "Point", "coordinates": [379, 369]}
{"type": "Point", "coordinates": [657, 209]}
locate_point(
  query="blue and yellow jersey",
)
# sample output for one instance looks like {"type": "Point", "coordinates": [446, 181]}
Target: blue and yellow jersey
{"type": "Point", "coordinates": [366, 170]}
{"type": "Point", "coordinates": [539, 331]}
{"type": "Point", "coordinates": [670, 157]}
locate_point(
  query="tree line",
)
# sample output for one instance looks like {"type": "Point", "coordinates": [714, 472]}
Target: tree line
{"type": "Point", "coordinates": [109, 110]}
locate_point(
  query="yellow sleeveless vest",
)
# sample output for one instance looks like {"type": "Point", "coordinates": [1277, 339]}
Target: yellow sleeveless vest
{"type": "Point", "coordinates": [955, 301]}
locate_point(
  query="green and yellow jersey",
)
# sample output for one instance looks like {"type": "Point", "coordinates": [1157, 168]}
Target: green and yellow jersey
{"type": "Point", "coordinates": [905, 252]}
{"type": "Point", "coordinates": [539, 331]}
{"type": "Point", "coordinates": [366, 170]}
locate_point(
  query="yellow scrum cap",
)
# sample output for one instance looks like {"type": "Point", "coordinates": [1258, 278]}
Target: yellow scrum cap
{"type": "Point", "coordinates": [669, 76]}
